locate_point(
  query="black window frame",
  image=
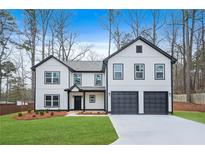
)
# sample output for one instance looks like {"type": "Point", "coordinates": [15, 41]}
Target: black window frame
{"type": "Point", "coordinates": [155, 76]}
{"type": "Point", "coordinates": [80, 79]}
{"type": "Point", "coordinates": [138, 47]}
{"type": "Point", "coordinates": [122, 78]}
{"type": "Point", "coordinates": [135, 71]}
{"type": "Point", "coordinates": [96, 80]}
{"type": "Point", "coordinates": [90, 98]}
{"type": "Point", "coordinates": [52, 95]}
{"type": "Point", "coordinates": [52, 83]}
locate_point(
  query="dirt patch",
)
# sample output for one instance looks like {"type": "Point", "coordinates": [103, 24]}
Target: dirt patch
{"type": "Point", "coordinates": [92, 113]}
{"type": "Point", "coordinates": [181, 106]}
{"type": "Point", "coordinates": [33, 115]}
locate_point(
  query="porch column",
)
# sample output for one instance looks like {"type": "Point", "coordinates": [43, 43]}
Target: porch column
{"type": "Point", "coordinates": [84, 100]}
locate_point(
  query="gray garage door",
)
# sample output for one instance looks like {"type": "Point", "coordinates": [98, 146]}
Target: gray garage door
{"type": "Point", "coordinates": [124, 102]}
{"type": "Point", "coordinates": [156, 102]}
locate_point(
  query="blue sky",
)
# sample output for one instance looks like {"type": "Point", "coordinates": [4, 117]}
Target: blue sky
{"type": "Point", "coordinates": [88, 24]}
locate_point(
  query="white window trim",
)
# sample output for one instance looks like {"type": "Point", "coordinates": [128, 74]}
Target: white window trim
{"type": "Point", "coordinates": [135, 71]}
{"type": "Point", "coordinates": [90, 98]}
{"type": "Point", "coordinates": [155, 72]}
{"type": "Point", "coordinates": [45, 82]}
{"type": "Point", "coordinates": [122, 71]}
{"type": "Point", "coordinates": [96, 80]}
{"type": "Point", "coordinates": [80, 79]}
{"type": "Point", "coordinates": [52, 106]}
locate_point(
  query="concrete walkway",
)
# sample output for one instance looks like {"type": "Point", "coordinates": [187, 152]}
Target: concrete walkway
{"type": "Point", "coordinates": [157, 129]}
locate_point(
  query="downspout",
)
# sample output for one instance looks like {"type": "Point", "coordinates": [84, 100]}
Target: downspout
{"type": "Point", "coordinates": [106, 86]}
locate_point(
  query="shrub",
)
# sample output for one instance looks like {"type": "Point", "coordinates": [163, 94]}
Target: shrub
{"type": "Point", "coordinates": [34, 115]}
{"type": "Point", "coordinates": [20, 114]}
{"type": "Point", "coordinates": [29, 110]}
{"type": "Point", "coordinates": [36, 112]}
{"type": "Point", "coordinates": [52, 113]}
{"type": "Point", "coordinates": [47, 111]}
{"type": "Point", "coordinates": [41, 113]}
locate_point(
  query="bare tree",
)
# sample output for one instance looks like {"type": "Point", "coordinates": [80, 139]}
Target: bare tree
{"type": "Point", "coordinates": [45, 16]}
{"type": "Point", "coordinates": [7, 29]}
{"type": "Point", "coordinates": [62, 34]}
{"type": "Point", "coordinates": [189, 33]}
{"type": "Point", "coordinates": [136, 18]}
{"type": "Point", "coordinates": [30, 34]}
{"type": "Point", "coordinates": [93, 56]}
{"type": "Point", "coordinates": [158, 21]}
{"type": "Point", "coordinates": [84, 49]}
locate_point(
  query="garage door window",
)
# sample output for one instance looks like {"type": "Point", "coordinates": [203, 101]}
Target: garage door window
{"type": "Point", "coordinates": [139, 72]}
{"type": "Point", "coordinates": [118, 71]}
{"type": "Point", "coordinates": [159, 71]}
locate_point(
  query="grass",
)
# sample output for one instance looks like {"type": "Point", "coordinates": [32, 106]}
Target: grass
{"type": "Point", "coordinates": [57, 130]}
{"type": "Point", "coordinates": [195, 116]}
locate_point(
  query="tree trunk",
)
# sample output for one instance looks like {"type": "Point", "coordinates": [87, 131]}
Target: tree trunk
{"type": "Point", "coordinates": [184, 52]}
{"type": "Point", "coordinates": [43, 43]}
{"type": "Point", "coordinates": [188, 58]}
{"type": "Point", "coordinates": [154, 28]}
{"type": "Point", "coordinates": [7, 88]}
{"type": "Point", "coordinates": [110, 31]}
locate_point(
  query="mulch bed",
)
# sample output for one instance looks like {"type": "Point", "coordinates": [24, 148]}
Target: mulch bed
{"type": "Point", "coordinates": [181, 106]}
{"type": "Point", "coordinates": [92, 113]}
{"type": "Point", "coordinates": [33, 115]}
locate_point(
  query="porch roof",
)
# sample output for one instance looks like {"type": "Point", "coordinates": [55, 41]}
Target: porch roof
{"type": "Point", "coordinates": [85, 88]}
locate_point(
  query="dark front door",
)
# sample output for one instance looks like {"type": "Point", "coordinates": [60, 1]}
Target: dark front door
{"type": "Point", "coordinates": [124, 102]}
{"type": "Point", "coordinates": [77, 102]}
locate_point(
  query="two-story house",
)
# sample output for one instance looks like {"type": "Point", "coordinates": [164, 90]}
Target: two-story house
{"type": "Point", "coordinates": [136, 79]}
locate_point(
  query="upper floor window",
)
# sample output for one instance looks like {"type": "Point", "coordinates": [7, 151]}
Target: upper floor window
{"type": "Point", "coordinates": [77, 79]}
{"type": "Point", "coordinates": [138, 49]}
{"type": "Point", "coordinates": [118, 71]}
{"type": "Point", "coordinates": [139, 71]}
{"type": "Point", "coordinates": [159, 71]}
{"type": "Point", "coordinates": [52, 100]}
{"type": "Point", "coordinates": [98, 79]}
{"type": "Point", "coordinates": [52, 77]}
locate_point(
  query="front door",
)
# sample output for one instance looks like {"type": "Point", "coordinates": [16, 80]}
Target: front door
{"type": "Point", "coordinates": [77, 102]}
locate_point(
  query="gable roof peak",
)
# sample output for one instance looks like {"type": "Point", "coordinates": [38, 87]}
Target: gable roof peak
{"type": "Point", "coordinates": [173, 60]}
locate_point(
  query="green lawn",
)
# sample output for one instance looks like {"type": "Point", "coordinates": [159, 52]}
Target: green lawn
{"type": "Point", "coordinates": [58, 130]}
{"type": "Point", "coordinates": [195, 116]}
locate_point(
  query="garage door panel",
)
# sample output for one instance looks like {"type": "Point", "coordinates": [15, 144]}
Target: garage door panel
{"type": "Point", "coordinates": [124, 102]}
{"type": "Point", "coordinates": [155, 102]}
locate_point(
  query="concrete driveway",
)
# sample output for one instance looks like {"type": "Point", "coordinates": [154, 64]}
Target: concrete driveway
{"type": "Point", "coordinates": [157, 129]}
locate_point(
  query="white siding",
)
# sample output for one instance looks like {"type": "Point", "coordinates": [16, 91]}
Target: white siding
{"type": "Point", "coordinates": [42, 89]}
{"type": "Point", "coordinates": [129, 57]}
{"type": "Point", "coordinates": [99, 100]}
{"type": "Point", "coordinates": [99, 104]}
{"type": "Point", "coordinates": [88, 79]}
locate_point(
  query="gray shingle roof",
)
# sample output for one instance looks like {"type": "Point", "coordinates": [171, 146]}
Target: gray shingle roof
{"type": "Point", "coordinates": [85, 65]}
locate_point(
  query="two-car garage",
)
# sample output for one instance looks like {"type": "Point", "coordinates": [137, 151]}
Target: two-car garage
{"type": "Point", "coordinates": [127, 102]}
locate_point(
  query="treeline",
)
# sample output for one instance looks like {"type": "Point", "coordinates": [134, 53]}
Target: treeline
{"type": "Point", "coordinates": [48, 32]}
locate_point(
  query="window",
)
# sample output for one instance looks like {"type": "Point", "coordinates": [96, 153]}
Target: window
{"type": "Point", "coordinates": [118, 71]}
{"type": "Point", "coordinates": [52, 100]}
{"type": "Point", "coordinates": [52, 77]}
{"type": "Point", "coordinates": [98, 79]}
{"type": "Point", "coordinates": [77, 79]}
{"type": "Point", "coordinates": [159, 71]}
{"type": "Point", "coordinates": [92, 98]}
{"type": "Point", "coordinates": [138, 49]}
{"type": "Point", "coordinates": [139, 71]}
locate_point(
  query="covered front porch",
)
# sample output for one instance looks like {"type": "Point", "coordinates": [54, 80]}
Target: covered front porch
{"type": "Point", "coordinates": [86, 98]}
